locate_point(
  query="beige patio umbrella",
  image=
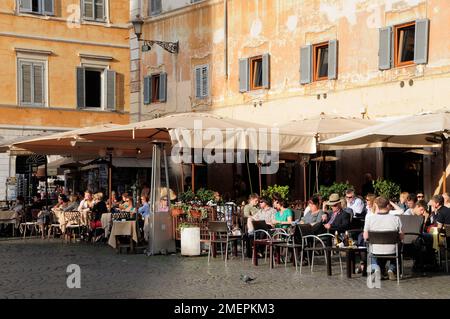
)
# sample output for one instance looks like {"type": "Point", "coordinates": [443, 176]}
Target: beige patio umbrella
{"type": "Point", "coordinates": [428, 129]}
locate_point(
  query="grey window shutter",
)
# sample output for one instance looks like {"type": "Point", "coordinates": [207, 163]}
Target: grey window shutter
{"type": "Point", "coordinates": [205, 81]}
{"type": "Point", "coordinates": [100, 9]}
{"type": "Point", "coordinates": [155, 7]}
{"type": "Point", "coordinates": [198, 82]}
{"type": "Point", "coordinates": [38, 83]}
{"type": "Point", "coordinates": [385, 49]}
{"type": "Point", "coordinates": [147, 89]}
{"type": "Point", "coordinates": [49, 7]}
{"type": "Point", "coordinates": [243, 75]}
{"type": "Point", "coordinates": [266, 71]}
{"type": "Point", "coordinates": [88, 9]}
{"type": "Point", "coordinates": [81, 100]}
{"type": "Point", "coordinates": [25, 5]}
{"type": "Point", "coordinates": [332, 59]}
{"type": "Point", "coordinates": [163, 87]}
{"type": "Point", "coordinates": [421, 41]}
{"type": "Point", "coordinates": [26, 81]}
{"type": "Point", "coordinates": [110, 90]}
{"type": "Point", "coordinates": [306, 64]}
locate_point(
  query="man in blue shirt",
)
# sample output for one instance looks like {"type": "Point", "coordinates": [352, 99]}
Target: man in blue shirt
{"type": "Point", "coordinates": [144, 210]}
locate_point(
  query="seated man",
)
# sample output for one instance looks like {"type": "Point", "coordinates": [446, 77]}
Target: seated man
{"type": "Point", "coordinates": [355, 203]}
{"type": "Point", "coordinates": [411, 203]}
{"type": "Point", "coordinates": [442, 212]}
{"type": "Point", "coordinates": [383, 221]}
{"type": "Point", "coordinates": [266, 213]}
{"type": "Point", "coordinates": [251, 208]}
{"type": "Point", "coordinates": [339, 220]}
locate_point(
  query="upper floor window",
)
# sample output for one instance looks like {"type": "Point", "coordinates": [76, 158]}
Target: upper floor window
{"type": "Point", "coordinates": [403, 44]}
{"type": "Point", "coordinates": [155, 7]}
{"type": "Point", "coordinates": [319, 62]}
{"type": "Point", "coordinates": [37, 6]}
{"type": "Point", "coordinates": [155, 88]}
{"type": "Point", "coordinates": [96, 88]}
{"type": "Point", "coordinates": [32, 81]}
{"type": "Point", "coordinates": [254, 73]}
{"type": "Point", "coordinates": [201, 81]}
{"type": "Point", "coordinates": [94, 10]}
{"type": "Point", "coordinates": [194, 1]}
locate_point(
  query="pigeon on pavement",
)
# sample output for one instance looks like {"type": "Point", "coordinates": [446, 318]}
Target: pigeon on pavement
{"type": "Point", "coordinates": [247, 279]}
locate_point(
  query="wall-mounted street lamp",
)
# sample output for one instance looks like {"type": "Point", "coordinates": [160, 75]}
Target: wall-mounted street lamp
{"type": "Point", "coordinates": [138, 22]}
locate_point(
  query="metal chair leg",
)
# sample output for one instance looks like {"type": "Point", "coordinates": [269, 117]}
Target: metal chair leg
{"type": "Point", "coordinates": [209, 250]}
{"type": "Point", "coordinates": [226, 252]}
{"type": "Point", "coordinates": [295, 258]}
{"type": "Point", "coordinates": [398, 271]}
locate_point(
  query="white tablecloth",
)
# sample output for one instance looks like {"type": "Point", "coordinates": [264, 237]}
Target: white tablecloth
{"type": "Point", "coordinates": [122, 228]}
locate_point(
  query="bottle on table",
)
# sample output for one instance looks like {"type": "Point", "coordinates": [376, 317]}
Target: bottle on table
{"type": "Point", "coordinates": [336, 238]}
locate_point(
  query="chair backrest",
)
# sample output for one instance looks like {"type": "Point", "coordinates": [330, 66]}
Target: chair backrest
{"type": "Point", "coordinates": [305, 229]}
{"type": "Point", "coordinates": [384, 237]}
{"type": "Point", "coordinates": [411, 224]}
{"type": "Point", "coordinates": [446, 230]}
{"type": "Point", "coordinates": [118, 215]}
{"type": "Point", "coordinates": [260, 224]}
{"type": "Point", "coordinates": [74, 217]}
{"type": "Point", "coordinates": [217, 227]}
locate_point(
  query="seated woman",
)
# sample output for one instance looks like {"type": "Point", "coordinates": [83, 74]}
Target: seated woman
{"type": "Point", "coordinates": [72, 204]}
{"type": "Point", "coordinates": [314, 214]}
{"type": "Point", "coordinates": [97, 210]}
{"type": "Point", "coordinates": [284, 215]}
{"type": "Point", "coordinates": [129, 206]}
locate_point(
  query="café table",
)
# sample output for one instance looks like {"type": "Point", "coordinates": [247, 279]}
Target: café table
{"type": "Point", "coordinates": [123, 228]}
{"type": "Point", "coordinates": [106, 220]}
{"type": "Point", "coordinates": [10, 217]}
{"type": "Point", "coordinates": [350, 253]}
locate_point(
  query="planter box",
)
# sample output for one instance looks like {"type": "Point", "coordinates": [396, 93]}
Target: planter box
{"type": "Point", "coordinates": [190, 241]}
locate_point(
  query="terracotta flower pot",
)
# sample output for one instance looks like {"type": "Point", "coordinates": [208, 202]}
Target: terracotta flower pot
{"type": "Point", "coordinates": [196, 213]}
{"type": "Point", "coordinates": [176, 211]}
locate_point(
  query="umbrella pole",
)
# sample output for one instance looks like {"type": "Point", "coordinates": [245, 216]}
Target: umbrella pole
{"type": "Point", "coordinates": [259, 177]}
{"type": "Point", "coordinates": [193, 177]}
{"type": "Point", "coordinates": [110, 180]}
{"type": "Point", "coordinates": [182, 178]}
{"type": "Point", "coordinates": [46, 185]}
{"type": "Point", "coordinates": [248, 173]}
{"type": "Point", "coordinates": [304, 182]}
{"type": "Point", "coordinates": [444, 164]}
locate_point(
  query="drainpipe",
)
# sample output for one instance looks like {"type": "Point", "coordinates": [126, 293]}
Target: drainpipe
{"type": "Point", "coordinates": [225, 4]}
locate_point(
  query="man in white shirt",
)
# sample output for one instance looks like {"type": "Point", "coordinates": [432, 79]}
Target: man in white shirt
{"type": "Point", "coordinates": [411, 203]}
{"type": "Point", "coordinates": [383, 221]}
{"type": "Point", "coordinates": [355, 203]}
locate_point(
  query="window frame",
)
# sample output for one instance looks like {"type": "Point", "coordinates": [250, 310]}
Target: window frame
{"type": "Point", "coordinates": [315, 61]}
{"type": "Point", "coordinates": [104, 94]}
{"type": "Point", "coordinates": [32, 62]}
{"type": "Point", "coordinates": [41, 11]}
{"type": "Point", "coordinates": [251, 77]}
{"type": "Point", "coordinates": [152, 12]}
{"type": "Point", "coordinates": [396, 59]}
{"type": "Point", "coordinates": [94, 8]}
{"type": "Point", "coordinates": [154, 98]}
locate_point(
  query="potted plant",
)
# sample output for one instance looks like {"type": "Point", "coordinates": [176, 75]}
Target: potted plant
{"type": "Point", "coordinates": [205, 195]}
{"type": "Point", "coordinates": [178, 209]}
{"type": "Point", "coordinates": [187, 196]}
{"type": "Point", "coordinates": [190, 239]}
{"type": "Point", "coordinates": [282, 191]}
{"type": "Point", "coordinates": [198, 212]}
{"type": "Point", "coordinates": [387, 189]}
{"type": "Point", "coordinates": [336, 188]}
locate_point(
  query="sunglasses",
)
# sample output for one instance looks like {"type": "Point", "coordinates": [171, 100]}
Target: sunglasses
{"type": "Point", "coordinates": [349, 197]}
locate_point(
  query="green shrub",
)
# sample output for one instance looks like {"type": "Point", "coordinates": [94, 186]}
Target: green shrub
{"type": "Point", "coordinates": [283, 191]}
{"type": "Point", "coordinates": [387, 189]}
{"type": "Point", "coordinates": [338, 188]}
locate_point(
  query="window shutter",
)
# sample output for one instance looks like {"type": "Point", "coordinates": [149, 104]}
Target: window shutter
{"type": "Point", "coordinates": [385, 49]}
{"type": "Point", "coordinates": [147, 89]}
{"type": "Point", "coordinates": [421, 41]}
{"type": "Point", "coordinates": [305, 64]}
{"type": "Point", "coordinates": [49, 7]}
{"type": "Point", "coordinates": [110, 90]}
{"type": "Point", "coordinates": [38, 83]}
{"type": "Point", "coordinates": [266, 71]}
{"type": "Point", "coordinates": [198, 82]}
{"type": "Point", "coordinates": [205, 81]}
{"type": "Point", "coordinates": [100, 9]}
{"type": "Point", "coordinates": [332, 59]}
{"type": "Point", "coordinates": [243, 75]}
{"type": "Point", "coordinates": [26, 82]}
{"type": "Point", "coordinates": [88, 9]}
{"type": "Point", "coordinates": [25, 5]}
{"type": "Point", "coordinates": [81, 101]}
{"type": "Point", "coordinates": [163, 87]}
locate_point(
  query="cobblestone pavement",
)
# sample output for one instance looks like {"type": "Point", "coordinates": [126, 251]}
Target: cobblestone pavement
{"type": "Point", "coordinates": [35, 268]}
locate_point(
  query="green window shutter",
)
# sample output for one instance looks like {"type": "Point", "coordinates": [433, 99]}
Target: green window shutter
{"type": "Point", "coordinates": [100, 9]}
{"type": "Point", "coordinates": [25, 6]}
{"type": "Point", "coordinates": [306, 64]}
{"type": "Point", "coordinates": [110, 90]}
{"type": "Point", "coordinates": [385, 49]}
{"type": "Point", "coordinates": [49, 7]}
{"type": "Point", "coordinates": [147, 90]}
{"type": "Point", "coordinates": [421, 41]}
{"type": "Point", "coordinates": [38, 83]}
{"type": "Point", "coordinates": [243, 75]}
{"type": "Point", "coordinates": [266, 71]}
{"type": "Point", "coordinates": [332, 59]}
{"type": "Point", "coordinates": [163, 87]}
{"type": "Point", "coordinates": [88, 9]}
{"type": "Point", "coordinates": [81, 100]}
{"type": "Point", "coordinates": [26, 82]}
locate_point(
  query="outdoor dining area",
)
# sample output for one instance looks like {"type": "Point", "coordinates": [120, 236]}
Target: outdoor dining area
{"type": "Point", "coordinates": [200, 221]}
